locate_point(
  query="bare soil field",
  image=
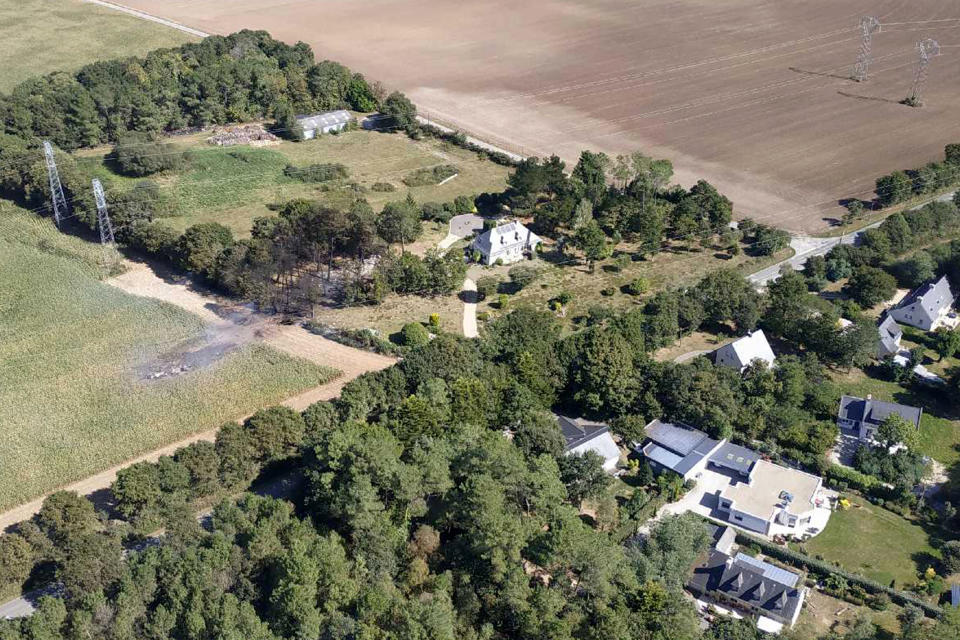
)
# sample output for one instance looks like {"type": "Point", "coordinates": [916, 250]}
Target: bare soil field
{"type": "Point", "coordinates": [753, 95]}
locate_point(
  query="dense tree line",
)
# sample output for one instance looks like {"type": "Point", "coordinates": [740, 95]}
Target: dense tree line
{"type": "Point", "coordinates": [629, 197]}
{"type": "Point", "coordinates": [901, 186]}
{"type": "Point", "coordinates": [241, 77]}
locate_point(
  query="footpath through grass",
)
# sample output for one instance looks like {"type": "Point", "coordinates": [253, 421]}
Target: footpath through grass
{"type": "Point", "coordinates": [73, 400]}
{"type": "Point", "coordinates": [42, 36]}
{"type": "Point", "coordinates": [876, 543]}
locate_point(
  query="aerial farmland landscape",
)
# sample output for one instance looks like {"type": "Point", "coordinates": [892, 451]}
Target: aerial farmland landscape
{"type": "Point", "coordinates": [409, 319]}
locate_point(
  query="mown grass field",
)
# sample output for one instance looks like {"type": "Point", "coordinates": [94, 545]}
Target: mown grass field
{"type": "Point", "coordinates": [876, 543]}
{"type": "Point", "coordinates": [42, 36]}
{"type": "Point", "coordinates": [72, 399]}
{"type": "Point", "coordinates": [234, 185]}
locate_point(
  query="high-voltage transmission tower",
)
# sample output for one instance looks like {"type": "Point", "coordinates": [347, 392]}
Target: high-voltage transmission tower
{"type": "Point", "coordinates": [60, 207]}
{"type": "Point", "coordinates": [927, 48]}
{"type": "Point", "coordinates": [869, 25]}
{"type": "Point", "coordinates": [103, 218]}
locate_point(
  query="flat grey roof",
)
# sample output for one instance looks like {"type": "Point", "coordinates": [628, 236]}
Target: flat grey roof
{"type": "Point", "coordinates": [677, 446]}
{"type": "Point", "coordinates": [734, 457]}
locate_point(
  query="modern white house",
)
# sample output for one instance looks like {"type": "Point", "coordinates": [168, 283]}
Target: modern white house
{"type": "Point", "coordinates": [741, 352]}
{"type": "Point", "coordinates": [326, 122]}
{"type": "Point", "coordinates": [582, 436]}
{"type": "Point", "coordinates": [890, 334]}
{"type": "Point", "coordinates": [927, 307]}
{"type": "Point", "coordinates": [507, 243]}
{"type": "Point", "coordinates": [771, 496]}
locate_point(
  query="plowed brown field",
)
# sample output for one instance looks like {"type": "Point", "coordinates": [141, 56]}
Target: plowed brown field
{"type": "Point", "coordinates": [753, 95]}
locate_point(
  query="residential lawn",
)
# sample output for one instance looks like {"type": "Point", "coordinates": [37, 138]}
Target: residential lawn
{"type": "Point", "coordinates": [673, 267]}
{"type": "Point", "coordinates": [388, 317]}
{"type": "Point", "coordinates": [823, 613]}
{"type": "Point", "coordinates": [235, 185]}
{"type": "Point", "coordinates": [73, 351]}
{"type": "Point", "coordinates": [940, 423]}
{"type": "Point", "coordinates": [42, 36]}
{"type": "Point", "coordinates": [874, 542]}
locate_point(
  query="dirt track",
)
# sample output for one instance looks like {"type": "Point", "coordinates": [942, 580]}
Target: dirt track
{"type": "Point", "coordinates": [751, 94]}
{"type": "Point", "coordinates": [294, 340]}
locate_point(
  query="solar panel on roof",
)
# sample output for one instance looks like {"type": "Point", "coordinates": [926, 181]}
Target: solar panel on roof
{"type": "Point", "coordinates": [776, 574]}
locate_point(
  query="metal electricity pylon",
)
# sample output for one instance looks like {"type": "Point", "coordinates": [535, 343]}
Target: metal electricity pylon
{"type": "Point", "coordinates": [869, 25]}
{"type": "Point", "coordinates": [927, 48]}
{"type": "Point", "coordinates": [61, 209]}
{"type": "Point", "coordinates": [103, 218]}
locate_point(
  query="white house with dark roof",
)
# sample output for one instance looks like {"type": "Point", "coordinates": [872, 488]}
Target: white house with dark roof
{"type": "Point", "coordinates": [889, 336]}
{"type": "Point", "coordinates": [927, 307]}
{"type": "Point", "coordinates": [326, 122]}
{"type": "Point", "coordinates": [582, 436]}
{"type": "Point", "coordinates": [741, 352]}
{"type": "Point", "coordinates": [864, 415]}
{"type": "Point", "coordinates": [507, 243]}
{"type": "Point", "coordinates": [676, 447]}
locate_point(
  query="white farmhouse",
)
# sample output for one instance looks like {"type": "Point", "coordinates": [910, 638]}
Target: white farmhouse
{"type": "Point", "coordinates": [927, 307]}
{"type": "Point", "coordinates": [740, 353]}
{"type": "Point", "coordinates": [507, 243]}
{"type": "Point", "coordinates": [323, 123]}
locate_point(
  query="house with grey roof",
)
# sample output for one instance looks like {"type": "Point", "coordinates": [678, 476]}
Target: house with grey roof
{"type": "Point", "coordinates": [864, 415]}
{"type": "Point", "coordinates": [507, 243]}
{"type": "Point", "coordinates": [741, 352]}
{"type": "Point", "coordinates": [927, 307]}
{"type": "Point", "coordinates": [582, 435]}
{"type": "Point", "coordinates": [313, 125]}
{"type": "Point", "coordinates": [890, 334]}
{"type": "Point", "coordinates": [676, 447]}
{"type": "Point", "coordinates": [749, 585]}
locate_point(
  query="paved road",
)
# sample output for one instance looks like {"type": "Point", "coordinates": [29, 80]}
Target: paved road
{"type": "Point", "coordinates": [806, 246]}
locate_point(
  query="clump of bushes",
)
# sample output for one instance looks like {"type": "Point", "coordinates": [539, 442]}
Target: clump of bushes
{"type": "Point", "coordinates": [382, 187]}
{"type": "Point", "coordinates": [430, 175]}
{"type": "Point", "coordinates": [143, 154]}
{"type": "Point", "coordinates": [414, 334]}
{"type": "Point", "coordinates": [317, 172]}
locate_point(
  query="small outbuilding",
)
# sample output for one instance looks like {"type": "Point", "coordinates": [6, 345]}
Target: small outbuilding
{"type": "Point", "coordinates": [326, 122]}
{"type": "Point", "coordinates": [890, 334]}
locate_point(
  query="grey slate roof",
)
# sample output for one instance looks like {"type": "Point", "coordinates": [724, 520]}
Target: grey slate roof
{"type": "Point", "coordinates": [577, 431]}
{"type": "Point", "coordinates": [890, 334]}
{"type": "Point", "coordinates": [874, 412]}
{"type": "Point", "coordinates": [746, 583]}
{"type": "Point", "coordinates": [677, 446]}
{"type": "Point", "coordinates": [325, 119]}
{"type": "Point", "coordinates": [733, 456]}
{"type": "Point", "coordinates": [504, 236]}
{"type": "Point", "coordinates": [932, 297]}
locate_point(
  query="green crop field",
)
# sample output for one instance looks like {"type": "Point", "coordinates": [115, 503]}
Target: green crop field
{"type": "Point", "coordinates": [41, 36]}
{"type": "Point", "coordinates": [73, 396]}
{"type": "Point", "coordinates": [234, 185]}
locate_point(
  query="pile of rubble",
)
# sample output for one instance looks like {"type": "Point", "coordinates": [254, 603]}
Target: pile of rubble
{"type": "Point", "coordinates": [252, 134]}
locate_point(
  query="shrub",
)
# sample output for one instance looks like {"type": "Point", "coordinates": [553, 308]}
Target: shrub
{"type": "Point", "coordinates": [502, 301]}
{"type": "Point", "coordinates": [487, 286]}
{"type": "Point", "coordinates": [430, 175]}
{"type": "Point", "coordinates": [608, 291]}
{"type": "Point", "coordinates": [316, 172]}
{"type": "Point", "coordinates": [435, 322]}
{"type": "Point", "coordinates": [523, 275]}
{"type": "Point", "coordinates": [463, 204]}
{"type": "Point", "coordinates": [414, 334]}
{"type": "Point", "coordinates": [638, 286]}
{"type": "Point", "coordinates": [140, 154]}
{"type": "Point", "coordinates": [382, 187]}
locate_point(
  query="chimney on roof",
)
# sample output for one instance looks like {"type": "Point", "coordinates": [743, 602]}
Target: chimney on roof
{"type": "Point", "coordinates": [761, 589]}
{"type": "Point", "coordinates": [869, 396]}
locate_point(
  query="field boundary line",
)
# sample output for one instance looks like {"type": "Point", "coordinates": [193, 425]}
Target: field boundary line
{"type": "Point", "coordinates": [143, 15]}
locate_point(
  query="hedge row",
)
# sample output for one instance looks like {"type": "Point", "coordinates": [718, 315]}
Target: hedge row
{"type": "Point", "coordinates": [822, 568]}
{"type": "Point", "coordinates": [459, 139]}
